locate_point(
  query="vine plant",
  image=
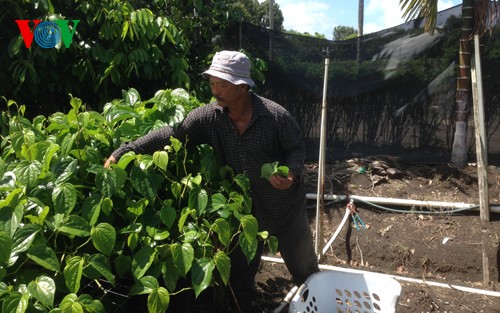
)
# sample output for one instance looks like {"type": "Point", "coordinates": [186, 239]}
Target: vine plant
{"type": "Point", "coordinates": [66, 222]}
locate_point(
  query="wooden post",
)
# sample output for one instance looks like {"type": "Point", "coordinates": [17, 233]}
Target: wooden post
{"type": "Point", "coordinates": [481, 152]}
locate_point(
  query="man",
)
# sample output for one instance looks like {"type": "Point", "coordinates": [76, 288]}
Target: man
{"type": "Point", "coordinates": [246, 131]}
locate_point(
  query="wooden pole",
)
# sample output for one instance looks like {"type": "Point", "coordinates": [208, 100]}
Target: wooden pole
{"type": "Point", "coordinates": [481, 152]}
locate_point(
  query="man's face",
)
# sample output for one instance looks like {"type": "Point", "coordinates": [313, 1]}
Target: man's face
{"type": "Point", "coordinates": [225, 92]}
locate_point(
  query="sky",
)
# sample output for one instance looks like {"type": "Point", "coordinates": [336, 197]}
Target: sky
{"type": "Point", "coordinates": [322, 16]}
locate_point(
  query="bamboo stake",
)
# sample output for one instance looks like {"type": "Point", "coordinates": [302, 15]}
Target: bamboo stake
{"type": "Point", "coordinates": [481, 152]}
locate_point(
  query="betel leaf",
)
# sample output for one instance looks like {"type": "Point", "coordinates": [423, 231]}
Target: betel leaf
{"type": "Point", "coordinates": [44, 256]}
{"type": "Point", "coordinates": [183, 256]}
{"type": "Point", "coordinates": [15, 302]}
{"type": "Point", "coordinates": [43, 289]}
{"type": "Point", "coordinates": [160, 159]}
{"type": "Point", "coordinates": [143, 286]}
{"type": "Point", "coordinates": [198, 199]}
{"type": "Point", "coordinates": [158, 300]}
{"type": "Point", "coordinates": [168, 214]}
{"type": "Point", "coordinates": [249, 247]}
{"type": "Point", "coordinates": [122, 264]}
{"type": "Point", "coordinates": [28, 172]}
{"type": "Point", "coordinates": [202, 274]}
{"type": "Point", "coordinates": [91, 208]}
{"type": "Point", "coordinates": [269, 169]}
{"type": "Point", "coordinates": [103, 237]}
{"type": "Point", "coordinates": [223, 264]}
{"type": "Point", "coordinates": [23, 238]}
{"type": "Point", "coordinates": [73, 273]}
{"type": "Point", "coordinates": [223, 230]}
{"type": "Point", "coordinates": [141, 261]}
{"type": "Point", "coordinates": [75, 225]}
{"type": "Point", "coordinates": [63, 170]}
{"type": "Point", "coordinates": [101, 264]}
{"type": "Point", "coordinates": [64, 198]}
{"type": "Point", "coordinates": [6, 244]}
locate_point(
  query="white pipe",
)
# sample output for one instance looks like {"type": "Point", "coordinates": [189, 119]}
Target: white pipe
{"type": "Point", "coordinates": [287, 299]}
{"type": "Point", "coordinates": [329, 243]}
{"type": "Point", "coordinates": [409, 202]}
{"type": "Point", "coordinates": [412, 280]}
{"type": "Point", "coordinates": [321, 169]}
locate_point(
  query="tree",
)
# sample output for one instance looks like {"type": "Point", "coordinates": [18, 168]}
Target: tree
{"type": "Point", "coordinates": [476, 20]}
{"type": "Point", "coordinates": [344, 32]}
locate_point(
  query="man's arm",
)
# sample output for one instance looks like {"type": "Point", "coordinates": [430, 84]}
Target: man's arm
{"type": "Point", "coordinates": [147, 144]}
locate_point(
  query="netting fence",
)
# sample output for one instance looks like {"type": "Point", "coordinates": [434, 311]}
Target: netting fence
{"type": "Point", "coordinates": [390, 92]}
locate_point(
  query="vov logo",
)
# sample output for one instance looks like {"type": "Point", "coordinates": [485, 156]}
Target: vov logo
{"type": "Point", "coordinates": [47, 34]}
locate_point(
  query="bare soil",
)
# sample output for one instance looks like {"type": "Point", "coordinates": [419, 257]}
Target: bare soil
{"type": "Point", "coordinates": [430, 250]}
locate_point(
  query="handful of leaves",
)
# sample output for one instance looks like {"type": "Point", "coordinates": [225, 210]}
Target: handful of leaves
{"type": "Point", "coordinates": [269, 169]}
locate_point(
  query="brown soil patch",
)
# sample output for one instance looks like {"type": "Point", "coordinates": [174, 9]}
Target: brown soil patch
{"type": "Point", "coordinates": [427, 244]}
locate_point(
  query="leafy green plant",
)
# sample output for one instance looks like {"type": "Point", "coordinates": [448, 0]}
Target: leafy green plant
{"type": "Point", "coordinates": [269, 169]}
{"type": "Point", "coordinates": [67, 223]}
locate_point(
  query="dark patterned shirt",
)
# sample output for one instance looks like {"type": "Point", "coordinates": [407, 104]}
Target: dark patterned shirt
{"type": "Point", "coordinates": [272, 135]}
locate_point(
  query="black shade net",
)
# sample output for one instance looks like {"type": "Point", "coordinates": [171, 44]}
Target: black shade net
{"type": "Point", "coordinates": [391, 92]}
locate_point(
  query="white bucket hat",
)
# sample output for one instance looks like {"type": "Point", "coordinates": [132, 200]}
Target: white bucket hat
{"type": "Point", "coordinates": [232, 66]}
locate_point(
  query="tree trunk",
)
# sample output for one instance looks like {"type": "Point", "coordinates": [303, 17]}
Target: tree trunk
{"type": "Point", "coordinates": [463, 92]}
{"type": "Point", "coordinates": [361, 14]}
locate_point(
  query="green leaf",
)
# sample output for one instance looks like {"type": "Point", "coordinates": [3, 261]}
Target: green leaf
{"type": "Point", "coordinates": [145, 182]}
{"type": "Point", "coordinates": [103, 237]}
{"type": "Point", "coordinates": [122, 264]}
{"type": "Point", "coordinates": [145, 285]}
{"type": "Point", "coordinates": [183, 256]}
{"type": "Point", "coordinates": [101, 264]}
{"type": "Point", "coordinates": [267, 170]}
{"type": "Point", "coordinates": [198, 199]}
{"type": "Point", "coordinates": [242, 181]}
{"type": "Point", "coordinates": [10, 218]}
{"type": "Point", "coordinates": [16, 302]}
{"type": "Point", "coordinates": [75, 225]}
{"type": "Point", "coordinates": [91, 208]}
{"type": "Point", "coordinates": [131, 96]}
{"type": "Point", "coordinates": [43, 289]}
{"type": "Point", "coordinates": [119, 113]}
{"type": "Point", "coordinates": [202, 275]}
{"type": "Point", "coordinates": [23, 238]}
{"type": "Point", "coordinates": [106, 182]}
{"type": "Point", "coordinates": [6, 244]}
{"type": "Point", "coordinates": [170, 274]}
{"type": "Point", "coordinates": [141, 261]}
{"type": "Point", "coordinates": [137, 208]}
{"type": "Point", "coordinates": [64, 198]}
{"type": "Point", "coordinates": [160, 159]}
{"type": "Point", "coordinates": [223, 264]}
{"type": "Point", "coordinates": [223, 230]}
{"type": "Point", "coordinates": [272, 243]}
{"type": "Point", "coordinates": [158, 300]}
{"type": "Point", "coordinates": [28, 172]}
{"type": "Point", "coordinates": [73, 273]}
{"type": "Point", "coordinates": [219, 201]}
{"type": "Point", "coordinates": [249, 247]}
{"type": "Point", "coordinates": [250, 227]}
{"type": "Point", "coordinates": [64, 170]}
{"type": "Point", "coordinates": [106, 206]}
{"type": "Point", "coordinates": [168, 213]}
{"type": "Point", "coordinates": [44, 256]}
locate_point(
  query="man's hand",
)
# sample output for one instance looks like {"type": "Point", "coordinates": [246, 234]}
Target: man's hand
{"type": "Point", "coordinates": [280, 182]}
{"type": "Point", "coordinates": [110, 160]}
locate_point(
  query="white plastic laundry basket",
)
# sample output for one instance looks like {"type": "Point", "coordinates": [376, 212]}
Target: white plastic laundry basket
{"type": "Point", "coordinates": [339, 292]}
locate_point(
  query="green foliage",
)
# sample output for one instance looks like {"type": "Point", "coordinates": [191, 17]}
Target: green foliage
{"type": "Point", "coordinates": [269, 169]}
{"type": "Point", "coordinates": [344, 32]}
{"type": "Point", "coordinates": [67, 222]}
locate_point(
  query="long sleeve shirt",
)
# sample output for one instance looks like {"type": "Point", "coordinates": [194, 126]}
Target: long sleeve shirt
{"type": "Point", "coordinates": [271, 135]}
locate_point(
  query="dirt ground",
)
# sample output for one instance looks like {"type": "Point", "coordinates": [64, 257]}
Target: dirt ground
{"type": "Point", "coordinates": [435, 253]}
